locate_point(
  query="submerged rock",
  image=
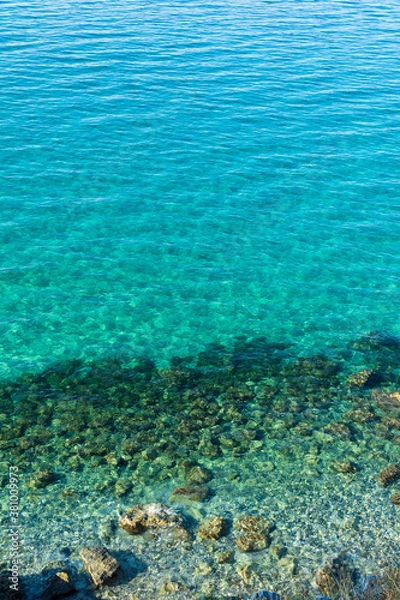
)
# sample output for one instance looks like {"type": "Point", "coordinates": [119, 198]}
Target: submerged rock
{"type": "Point", "coordinates": [59, 585]}
{"type": "Point", "coordinates": [213, 528]}
{"type": "Point", "coordinates": [42, 478]}
{"type": "Point", "coordinates": [149, 516]}
{"type": "Point", "coordinates": [395, 499]}
{"type": "Point", "coordinates": [360, 379]}
{"type": "Point", "coordinates": [334, 575]}
{"type": "Point", "coordinates": [101, 566]}
{"type": "Point", "coordinates": [343, 466]}
{"type": "Point", "coordinates": [252, 542]}
{"type": "Point", "coordinates": [199, 474]}
{"type": "Point", "coordinates": [255, 533]}
{"type": "Point", "coordinates": [191, 493]}
{"type": "Point", "coordinates": [389, 475]}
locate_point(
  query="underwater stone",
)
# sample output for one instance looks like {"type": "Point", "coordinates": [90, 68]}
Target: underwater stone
{"type": "Point", "coordinates": [122, 486]}
{"type": "Point", "coordinates": [343, 466]}
{"type": "Point", "coordinates": [99, 563]}
{"type": "Point", "coordinates": [170, 587]}
{"type": "Point", "coordinates": [395, 499]}
{"type": "Point", "coordinates": [213, 528]}
{"type": "Point", "coordinates": [199, 474]}
{"type": "Point", "coordinates": [359, 379]}
{"type": "Point", "coordinates": [42, 479]}
{"type": "Point", "coordinates": [339, 429]}
{"type": "Point", "coordinates": [226, 556]}
{"type": "Point", "coordinates": [252, 542]}
{"type": "Point", "coordinates": [359, 415]}
{"type": "Point", "coordinates": [386, 400]}
{"type": "Point", "coordinates": [149, 516]}
{"type": "Point", "coordinates": [192, 493]}
{"type": "Point", "coordinates": [253, 524]}
{"type": "Point", "coordinates": [389, 475]}
{"type": "Point", "coordinates": [59, 585]}
{"type": "Point", "coordinates": [334, 575]}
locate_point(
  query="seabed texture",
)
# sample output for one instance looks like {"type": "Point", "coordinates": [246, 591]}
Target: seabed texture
{"type": "Point", "coordinates": [250, 429]}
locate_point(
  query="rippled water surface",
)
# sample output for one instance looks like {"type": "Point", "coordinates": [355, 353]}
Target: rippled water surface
{"type": "Point", "coordinates": [175, 173]}
{"type": "Point", "coordinates": [217, 181]}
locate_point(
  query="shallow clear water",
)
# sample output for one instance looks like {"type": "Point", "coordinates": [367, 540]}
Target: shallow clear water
{"type": "Point", "coordinates": [175, 173]}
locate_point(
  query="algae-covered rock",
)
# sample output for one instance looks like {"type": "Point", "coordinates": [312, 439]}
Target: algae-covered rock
{"type": "Point", "coordinates": [389, 475]}
{"type": "Point", "coordinates": [359, 415]}
{"type": "Point", "coordinates": [42, 478]}
{"type": "Point", "coordinates": [359, 379]}
{"type": "Point", "coordinates": [253, 524]}
{"type": "Point", "coordinates": [255, 533]}
{"type": "Point", "coordinates": [252, 542]}
{"type": "Point", "coordinates": [395, 499]}
{"type": "Point", "coordinates": [191, 493]}
{"type": "Point", "coordinates": [59, 585]}
{"type": "Point", "coordinates": [225, 556]}
{"type": "Point", "coordinates": [213, 528]}
{"type": "Point", "coordinates": [334, 576]}
{"type": "Point", "coordinates": [122, 486]}
{"type": "Point", "coordinates": [149, 516]}
{"type": "Point", "coordinates": [199, 474]}
{"type": "Point", "coordinates": [343, 466]}
{"type": "Point", "coordinates": [339, 429]}
{"type": "Point", "coordinates": [101, 566]}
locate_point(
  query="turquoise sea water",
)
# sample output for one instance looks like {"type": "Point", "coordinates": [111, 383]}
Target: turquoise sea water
{"type": "Point", "coordinates": [176, 173]}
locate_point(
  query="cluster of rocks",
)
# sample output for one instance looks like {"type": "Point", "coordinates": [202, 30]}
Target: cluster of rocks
{"type": "Point", "coordinates": [225, 402]}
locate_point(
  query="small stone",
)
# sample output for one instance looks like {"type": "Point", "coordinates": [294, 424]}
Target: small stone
{"type": "Point", "coordinates": [149, 516]}
{"type": "Point", "coordinates": [170, 587]}
{"type": "Point", "coordinates": [389, 475]}
{"type": "Point", "coordinates": [213, 528]}
{"type": "Point", "coordinates": [122, 486]}
{"type": "Point", "coordinates": [226, 556]}
{"type": "Point", "coordinates": [59, 585]}
{"type": "Point", "coordinates": [199, 474]}
{"type": "Point", "coordinates": [256, 533]}
{"type": "Point", "coordinates": [339, 429]}
{"type": "Point", "coordinates": [343, 466]}
{"type": "Point", "coordinates": [395, 499]}
{"type": "Point", "coordinates": [252, 542]}
{"type": "Point", "coordinates": [253, 524]}
{"type": "Point", "coordinates": [100, 565]}
{"type": "Point", "coordinates": [192, 493]}
{"type": "Point", "coordinates": [359, 415]}
{"type": "Point", "coordinates": [42, 479]}
{"type": "Point", "coordinates": [359, 379]}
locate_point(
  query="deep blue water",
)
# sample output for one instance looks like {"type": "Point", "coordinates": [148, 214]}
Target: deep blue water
{"type": "Point", "coordinates": [175, 173]}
